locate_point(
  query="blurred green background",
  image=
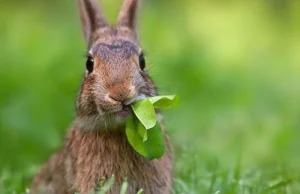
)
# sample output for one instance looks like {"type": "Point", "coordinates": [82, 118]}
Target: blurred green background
{"type": "Point", "coordinates": [234, 64]}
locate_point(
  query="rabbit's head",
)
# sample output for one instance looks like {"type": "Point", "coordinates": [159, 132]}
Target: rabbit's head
{"type": "Point", "coordinates": [115, 74]}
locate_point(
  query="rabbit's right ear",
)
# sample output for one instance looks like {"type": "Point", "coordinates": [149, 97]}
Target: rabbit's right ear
{"type": "Point", "coordinates": [92, 18]}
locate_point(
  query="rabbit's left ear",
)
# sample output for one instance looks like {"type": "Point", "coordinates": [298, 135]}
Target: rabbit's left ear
{"type": "Point", "coordinates": [127, 15]}
{"type": "Point", "coordinates": [92, 18]}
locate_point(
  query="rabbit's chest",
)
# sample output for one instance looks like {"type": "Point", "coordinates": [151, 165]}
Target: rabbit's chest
{"type": "Point", "coordinates": [103, 157]}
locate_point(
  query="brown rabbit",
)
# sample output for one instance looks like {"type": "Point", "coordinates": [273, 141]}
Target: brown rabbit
{"type": "Point", "coordinates": [96, 145]}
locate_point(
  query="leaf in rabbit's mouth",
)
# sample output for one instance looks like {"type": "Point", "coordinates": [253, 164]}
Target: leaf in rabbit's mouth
{"type": "Point", "coordinates": [143, 131]}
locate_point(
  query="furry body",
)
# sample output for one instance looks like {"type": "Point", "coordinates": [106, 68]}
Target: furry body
{"type": "Point", "coordinates": [86, 157]}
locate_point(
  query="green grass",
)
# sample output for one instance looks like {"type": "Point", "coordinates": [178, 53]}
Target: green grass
{"type": "Point", "coordinates": [210, 177]}
{"type": "Point", "coordinates": [235, 67]}
{"type": "Point", "coordinates": [194, 177]}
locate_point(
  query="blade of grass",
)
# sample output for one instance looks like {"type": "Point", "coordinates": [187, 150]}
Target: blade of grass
{"type": "Point", "coordinates": [214, 176]}
{"type": "Point", "coordinates": [279, 185]}
{"type": "Point", "coordinates": [124, 187]}
{"type": "Point", "coordinates": [105, 188]}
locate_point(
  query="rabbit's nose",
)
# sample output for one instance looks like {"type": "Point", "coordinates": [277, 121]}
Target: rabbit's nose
{"type": "Point", "coordinates": [119, 97]}
{"type": "Point", "coordinates": [118, 93]}
{"type": "Point", "coordinates": [122, 93]}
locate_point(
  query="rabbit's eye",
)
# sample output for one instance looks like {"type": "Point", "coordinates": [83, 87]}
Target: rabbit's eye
{"type": "Point", "coordinates": [142, 61]}
{"type": "Point", "coordinates": [90, 64]}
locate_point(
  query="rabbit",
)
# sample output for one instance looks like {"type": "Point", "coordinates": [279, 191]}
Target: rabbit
{"type": "Point", "coordinates": [96, 145]}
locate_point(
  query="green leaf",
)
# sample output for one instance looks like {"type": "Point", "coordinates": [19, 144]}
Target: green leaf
{"type": "Point", "coordinates": [135, 140]}
{"type": "Point", "coordinates": [142, 131]}
{"type": "Point", "coordinates": [144, 111]}
{"type": "Point", "coordinates": [163, 101]}
{"type": "Point", "coordinates": [153, 147]}
{"type": "Point", "coordinates": [155, 144]}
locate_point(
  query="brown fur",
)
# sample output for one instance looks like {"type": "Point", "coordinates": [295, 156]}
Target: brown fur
{"type": "Point", "coordinates": [88, 156]}
{"type": "Point", "coordinates": [96, 146]}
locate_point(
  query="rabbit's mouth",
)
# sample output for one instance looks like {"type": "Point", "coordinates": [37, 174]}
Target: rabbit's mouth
{"type": "Point", "coordinates": [113, 119]}
{"type": "Point", "coordinates": [125, 112]}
